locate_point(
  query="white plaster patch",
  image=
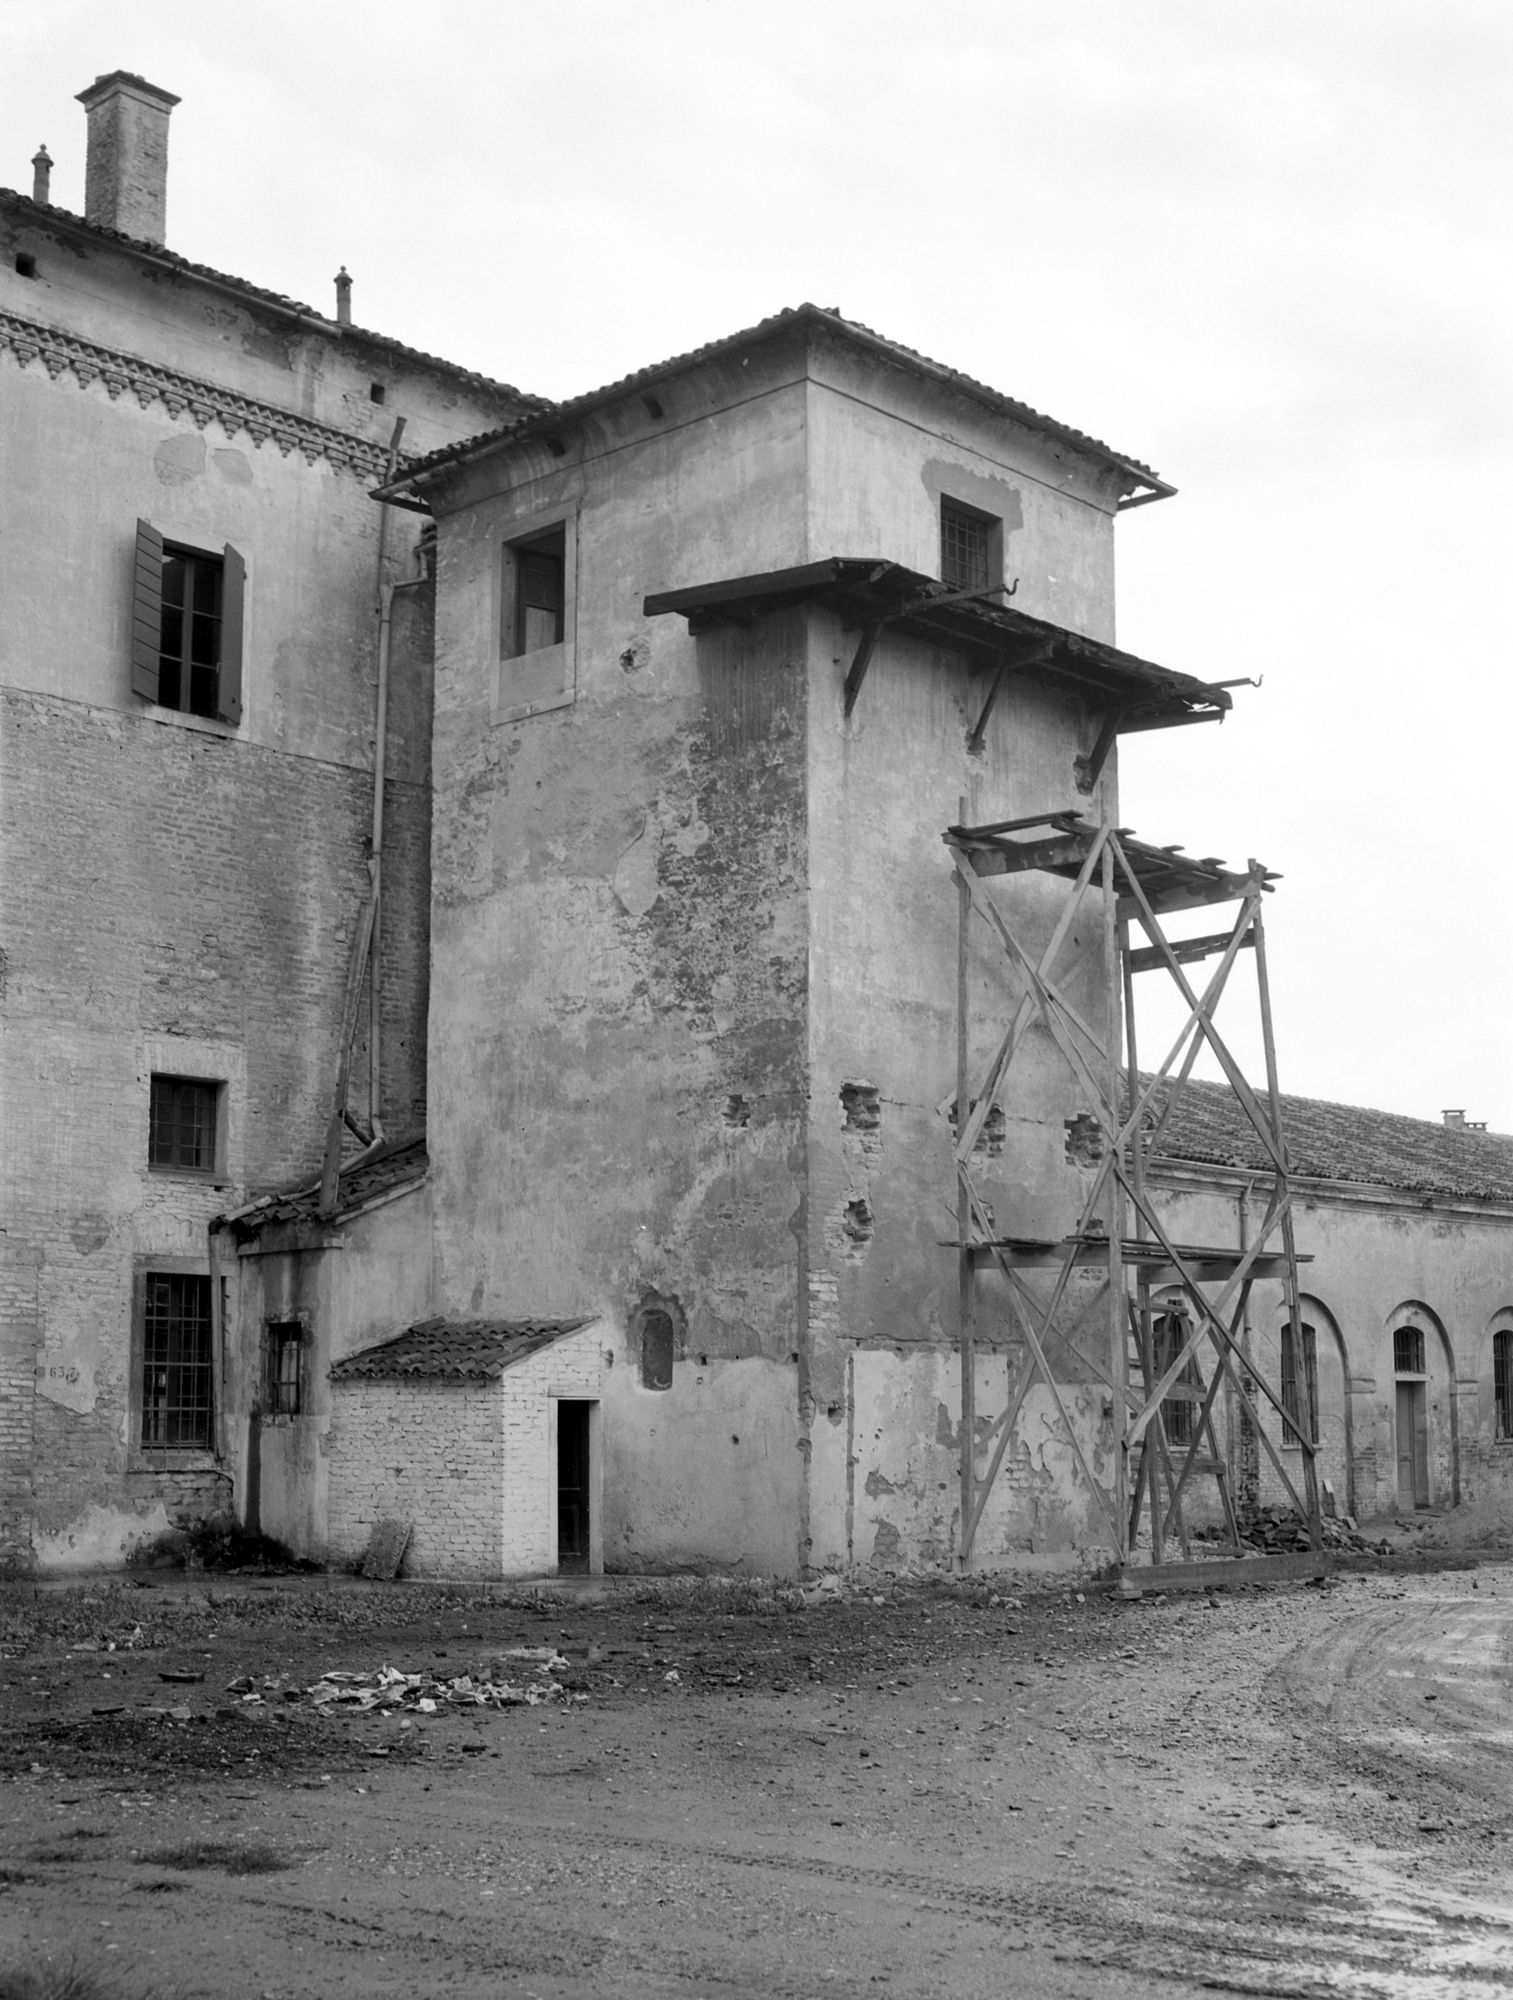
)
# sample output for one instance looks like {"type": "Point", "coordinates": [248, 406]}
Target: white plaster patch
{"type": "Point", "coordinates": [101, 1538]}
{"type": "Point", "coordinates": [66, 1379]}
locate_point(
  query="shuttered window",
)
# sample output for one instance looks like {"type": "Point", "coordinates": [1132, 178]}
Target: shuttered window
{"type": "Point", "coordinates": [186, 635]}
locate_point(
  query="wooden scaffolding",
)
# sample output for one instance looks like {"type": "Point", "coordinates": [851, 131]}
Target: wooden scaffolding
{"type": "Point", "coordinates": [1163, 1370]}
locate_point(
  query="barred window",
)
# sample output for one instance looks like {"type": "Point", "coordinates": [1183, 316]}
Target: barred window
{"type": "Point", "coordinates": [176, 1362]}
{"type": "Point", "coordinates": [181, 1125]}
{"type": "Point", "coordinates": [1295, 1429]}
{"type": "Point", "coordinates": [966, 543]}
{"type": "Point", "coordinates": [1408, 1350]}
{"type": "Point", "coordinates": [1502, 1383]}
{"type": "Point", "coordinates": [1179, 1409]}
{"type": "Point", "coordinates": [286, 1348]}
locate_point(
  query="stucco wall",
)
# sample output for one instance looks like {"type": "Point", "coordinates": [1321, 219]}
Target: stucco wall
{"type": "Point", "coordinates": [356, 1282]}
{"type": "Point", "coordinates": [176, 894]}
{"type": "Point", "coordinates": [705, 903]}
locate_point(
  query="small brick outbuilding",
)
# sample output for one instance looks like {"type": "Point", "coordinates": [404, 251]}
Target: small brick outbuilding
{"type": "Point", "coordinates": [483, 1434]}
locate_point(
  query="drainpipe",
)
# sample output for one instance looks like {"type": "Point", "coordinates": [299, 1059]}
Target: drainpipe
{"type": "Point", "coordinates": [385, 608]}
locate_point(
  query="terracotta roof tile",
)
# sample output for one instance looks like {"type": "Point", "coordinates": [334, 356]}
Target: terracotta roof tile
{"type": "Point", "coordinates": [792, 317]}
{"type": "Point", "coordinates": [454, 1349]}
{"type": "Point", "coordinates": [1344, 1142]}
{"type": "Point", "coordinates": [23, 205]}
{"type": "Point", "coordinates": [394, 1166]}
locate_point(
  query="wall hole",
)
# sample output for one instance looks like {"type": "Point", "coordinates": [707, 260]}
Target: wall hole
{"type": "Point", "coordinates": [994, 1132]}
{"type": "Point", "coordinates": [26, 264]}
{"type": "Point", "coordinates": [737, 1113]}
{"type": "Point", "coordinates": [377, 393]}
{"type": "Point", "coordinates": [857, 1220]}
{"type": "Point", "coordinates": [861, 1107]}
{"type": "Point", "coordinates": [1084, 1140]}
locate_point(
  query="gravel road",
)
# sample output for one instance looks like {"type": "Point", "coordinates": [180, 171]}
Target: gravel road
{"type": "Point", "coordinates": [914, 1790]}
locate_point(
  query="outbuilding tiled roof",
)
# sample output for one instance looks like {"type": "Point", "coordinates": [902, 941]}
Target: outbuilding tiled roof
{"type": "Point", "coordinates": [24, 207]}
{"type": "Point", "coordinates": [1344, 1142]}
{"type": "Point", "coordinates": [394, 1166]}
{"type": "Point", "coordinates": [790, 319]}
{"type": "Point", "coordinates": [454, 1349]}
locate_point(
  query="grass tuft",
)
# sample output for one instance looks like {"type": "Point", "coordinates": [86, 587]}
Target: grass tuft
{"type": "Point", "coordinates": [223, 1854]}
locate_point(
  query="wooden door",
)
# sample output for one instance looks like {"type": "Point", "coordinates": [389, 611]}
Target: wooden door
{"type": "Point", "coordinates": [1412, 1446]}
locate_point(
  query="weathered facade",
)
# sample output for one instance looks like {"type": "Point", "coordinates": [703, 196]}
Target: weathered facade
{"type": "Point", "coordinates": [185, 814]}
{"type": "Point", "coordinates": [668, 966]}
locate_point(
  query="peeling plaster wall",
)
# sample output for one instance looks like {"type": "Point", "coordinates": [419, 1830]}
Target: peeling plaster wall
{"type": "Point", "coordinates": [679, 914]}
{"type": "Point", "coordinates": [178, 895]}
{"type": "Point", "coordinates": [884, 1376]}
{"type": "Point", "coordinates": [620, 956]}
{"type": "Point", "coordinates": [354, 1283]}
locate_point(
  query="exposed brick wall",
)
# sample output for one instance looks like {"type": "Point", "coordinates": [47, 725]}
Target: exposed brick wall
{"type": "Point", "coordinates": [161, 883]}
{"type": "Point", "coordinates": [468, 1463]}
{"type": "Point", "coordinates": [426, 1452]}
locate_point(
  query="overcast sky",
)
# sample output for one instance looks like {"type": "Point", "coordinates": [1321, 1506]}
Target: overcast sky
{"type": "Point", "coordinates": [1262, 245]}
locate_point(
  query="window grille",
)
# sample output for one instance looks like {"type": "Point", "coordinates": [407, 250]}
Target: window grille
{"type": "Point", "coordinates": [1502, 1383]}
{"type": "Point", "coordinates": [965, 548]}
{"type": "Point", "coordinates": [1408, 1350]}
{"type": "Point", "coordinates": [181, 1125]}
{"type": "Point", "coordinates": [1179, 1409]}
{"type": "Point", "coordinates": [1295, 1429]}
{"type": "Point", "coordinates": [285, 1368]}
{"type": "Point", "coordinates": [176, 1362]}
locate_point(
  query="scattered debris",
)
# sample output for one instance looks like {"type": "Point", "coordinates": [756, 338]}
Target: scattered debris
{"type": "Point", "coordinates": [389, 1691]}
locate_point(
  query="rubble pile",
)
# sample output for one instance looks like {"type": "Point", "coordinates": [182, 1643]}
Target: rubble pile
{"type": "Point", "coordinates": [387, 1691]}
{"type": "Point", "coordinates": [1278, 1531]}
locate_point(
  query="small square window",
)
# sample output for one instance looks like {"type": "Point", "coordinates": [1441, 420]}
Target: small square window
{"type": "Point", "coordinates": [181, 1126]}
{"type": "Point", "coordinates": [286, 1370]}
{"type": "Point", "coordinates": [966, 546]}
{"type": "Point", "coordinates": [176, 1362]}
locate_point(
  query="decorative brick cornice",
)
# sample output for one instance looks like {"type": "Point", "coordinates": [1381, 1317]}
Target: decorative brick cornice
{"type": "Point", "coordinates": [187, 396]}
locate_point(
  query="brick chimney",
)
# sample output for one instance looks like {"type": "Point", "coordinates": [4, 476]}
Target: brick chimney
{"type": "Point", "coordinates": [1456, 1120]}
{"type": "Point", "coordinates": [126, 170]}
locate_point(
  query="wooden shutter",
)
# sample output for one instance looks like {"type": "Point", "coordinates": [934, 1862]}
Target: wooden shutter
{"type": "Point", "coordinates": [228, 699]}
{"type": "Point", "coordinates": [147, 612]}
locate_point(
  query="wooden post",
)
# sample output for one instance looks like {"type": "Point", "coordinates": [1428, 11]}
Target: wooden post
{"type": "Point", "coordinates": [1120, 1023]}
{"type": "Point", "coordinates": [965, 1279]}
{"type": "Point", "coordinates": [1289, 1243]}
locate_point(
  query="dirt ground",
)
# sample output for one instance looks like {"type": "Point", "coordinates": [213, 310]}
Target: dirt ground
{"type": "Point", "coordinates": [912, 1789]}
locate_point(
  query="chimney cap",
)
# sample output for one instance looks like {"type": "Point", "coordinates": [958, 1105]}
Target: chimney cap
{"type": "Point", "coordinates": [122, 78]}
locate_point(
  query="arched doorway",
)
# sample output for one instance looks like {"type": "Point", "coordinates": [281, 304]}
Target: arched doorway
{"type": "Point", "coordinates": [1425, 1426]}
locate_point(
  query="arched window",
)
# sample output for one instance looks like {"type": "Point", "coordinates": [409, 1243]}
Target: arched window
{"type": "Point", "coordinates": [659, 1339]}
{"type": "Point", "coordinates": [1291, 1403]}
{"type": "Point", "coordinates": [1502, 1384]}
{"type": "Point", "coordinates": [1179, 1409]}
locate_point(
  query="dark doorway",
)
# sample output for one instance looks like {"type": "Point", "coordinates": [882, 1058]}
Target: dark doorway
{"type": "Point", "coordinates": [572, 1484]}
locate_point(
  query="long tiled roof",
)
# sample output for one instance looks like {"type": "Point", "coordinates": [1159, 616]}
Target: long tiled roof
{"type": "Point", "coordinates": [454, 1349]}
{"type": "Point", "coordinates": [46, 212]}
{"type": "Point", "coordinates": [1344, 1142]}
{"type": "Point", "coordinates": [790, 319]}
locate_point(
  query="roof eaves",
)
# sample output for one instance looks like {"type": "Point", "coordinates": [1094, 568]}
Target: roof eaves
{"type": "Point", "coordinates": [787, 320]}
{"type": "Point", "coordinates": [156, 253]}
